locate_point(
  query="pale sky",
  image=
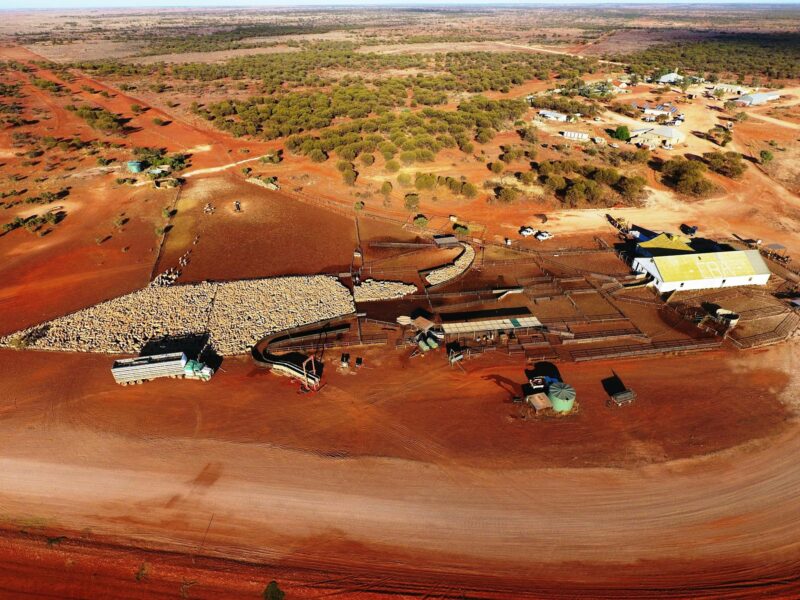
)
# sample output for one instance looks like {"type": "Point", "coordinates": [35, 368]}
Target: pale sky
{"type": "Point", "coordinates": [67, 4]}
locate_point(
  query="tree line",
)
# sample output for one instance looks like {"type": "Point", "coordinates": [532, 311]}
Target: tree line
{"type": "Point", "coordinates": [775, 56]}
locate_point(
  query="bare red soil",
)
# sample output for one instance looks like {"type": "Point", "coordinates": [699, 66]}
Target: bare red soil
{"type": "Point", "coordinates": [430, 476]}
{"type": "Point", "coordinates": [253, 471]}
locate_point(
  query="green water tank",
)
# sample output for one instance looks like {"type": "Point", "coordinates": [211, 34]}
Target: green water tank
{"type": "Point", "coordinates": [562, 396]}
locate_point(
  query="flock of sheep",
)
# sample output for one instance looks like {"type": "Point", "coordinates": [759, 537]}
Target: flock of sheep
{"type": "Point", "coordinates": [234, 315]}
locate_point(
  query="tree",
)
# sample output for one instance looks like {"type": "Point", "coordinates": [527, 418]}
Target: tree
{"type": "Point", "coordinates": [386, 188]}
{"type": "Point", "coordinates": [729, 164]}
{"type": "Point", "coordinates": [622, 133]}
{"type": "Point", "coordinates": [273, 592]}
{"type": "Point", "coordinates": [766, 157]}
{"type": "Point", "coordinates": [424, 181]}
{"type": "Point", "coordinates": [317, 155]}
{"type": "Point", "coordinates": [555, 182]}
{"type": "Point", "coordinates": [468, 190]}
{"type": "Point", "coordinates": [349, 176]}
{"type": "Point", "coordinates": [411, 202]}
{"type": "Point", "coordinates": [631, 188]}
{"type": "Point", "coordinates": [686, 176]}
{"type": "Point", "coordinates": [507, 195]}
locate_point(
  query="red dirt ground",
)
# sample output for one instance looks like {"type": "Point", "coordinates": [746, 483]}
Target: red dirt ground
{"type": "Point", "coordinates": [240, 470]}
{"type": "Point", "coordinates": [427, 475]}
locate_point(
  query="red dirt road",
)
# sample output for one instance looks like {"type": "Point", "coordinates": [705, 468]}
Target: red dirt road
{"type": "Point", "coordinates": [353, 483]}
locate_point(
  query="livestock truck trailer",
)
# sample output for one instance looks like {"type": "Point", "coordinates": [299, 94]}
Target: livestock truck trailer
{"type": "Point", "coordinates": [144, 368]}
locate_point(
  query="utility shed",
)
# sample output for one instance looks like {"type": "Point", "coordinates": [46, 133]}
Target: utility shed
{"type": "Point", "coordinates": [445, 241]}
{"type": "Point", "coordinates": [576, 135]}
{"type": "Point", "coordinates": [705, 270]}
{"type": "Point", "coordinates": [539, 401]}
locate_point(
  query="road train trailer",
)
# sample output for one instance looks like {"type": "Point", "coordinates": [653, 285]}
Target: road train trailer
{"type": "Point", "coordinates": [146, 368]}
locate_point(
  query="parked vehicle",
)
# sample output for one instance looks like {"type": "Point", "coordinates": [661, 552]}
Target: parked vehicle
{"type": "Point", "coordinates": [527, 231]}
{"type": "Point", "coordinates": [146, 368]}
{"type": "Point", "coordinates": [543, 235]}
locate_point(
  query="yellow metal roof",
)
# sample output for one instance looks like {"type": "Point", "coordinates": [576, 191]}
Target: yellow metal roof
{"type": "Point", "coordinates": [667, 241]}
{"type": "Point", "coordinates": [711, 265]}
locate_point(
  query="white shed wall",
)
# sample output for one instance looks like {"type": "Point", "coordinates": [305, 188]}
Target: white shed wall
{"type": "Point", "coordinates": [646, 265]}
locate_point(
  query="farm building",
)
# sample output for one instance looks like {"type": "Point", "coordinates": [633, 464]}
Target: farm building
{"type": "Point", "coordinates": [654, 136]}
{"type": "Point", "coordinates": [578, 136]}
{"type": "Point", "coordinates": [552, 115]}
{"type": "Point", "coordinates": [445, 241]}
{"type": "Point", "coordinates": [758, 98]}
{"type": "Point", "coordinates": [731, 88]}
{"type": "Point", "coordinates": [705, 270]}
{"type": "Point", "coordinates": [481, 327]}
{"type": "Point", "coordinates": [656, 111]}
{"type": "Point", "coordinates": [659, 110]}
{"type": "Point", "coordinates": [670, 78]}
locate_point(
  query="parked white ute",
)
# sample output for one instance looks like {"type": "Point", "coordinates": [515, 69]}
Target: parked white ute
{"type": "Point", "coordinates": [543, 235]}
{"type": "Point", "coordinates": [527, 231]}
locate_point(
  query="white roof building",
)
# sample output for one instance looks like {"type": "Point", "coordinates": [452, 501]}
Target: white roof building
{"type": "Point", "coordinates": [704, 270]}
{"type": "Point", "coordinates": [670, 78]}
{"type": "Point", "coordinates": [731, 88]}
{"type": "Point", "coordinates": [651, 136]}
{"type": "Point", "coordinates": [553, 115]}
{"type": "Point", "coordinates": [758, 98]}
{"type": "Point", "coordinates": [576, 135]}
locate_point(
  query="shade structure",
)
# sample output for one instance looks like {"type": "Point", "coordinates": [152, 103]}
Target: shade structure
{"type": "Point", "coordinates": [562, 396]}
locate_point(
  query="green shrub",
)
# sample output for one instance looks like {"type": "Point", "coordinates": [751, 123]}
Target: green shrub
{"type": "Point", "coordinates": [411, 202]}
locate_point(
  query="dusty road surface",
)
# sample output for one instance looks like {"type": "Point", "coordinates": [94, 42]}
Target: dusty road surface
{"type": "Point", "coordinates": [346, 482]}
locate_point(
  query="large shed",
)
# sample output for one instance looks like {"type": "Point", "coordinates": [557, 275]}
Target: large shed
{"type": "Point", "coordinates": [704, 270]}
{"type": "Point", "coordinates": [758, 98]}
{"type": "Point", "coordinates": [670, 78]}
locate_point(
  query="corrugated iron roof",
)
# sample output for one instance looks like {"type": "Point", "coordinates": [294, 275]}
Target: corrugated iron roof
{"type": "Point", "coordinates": [491, 325]}
{"type": "Point", "coordinates": [667, 241]}
{"type": "Point", "coordinates": [710, 265]}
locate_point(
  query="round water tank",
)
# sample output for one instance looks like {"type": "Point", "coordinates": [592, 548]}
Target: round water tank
{"type": "Point", "coordinates": [562, 396]}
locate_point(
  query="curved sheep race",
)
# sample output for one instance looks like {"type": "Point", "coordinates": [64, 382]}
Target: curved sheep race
{"type": "Point", "coordinates": [235, 315]}
{"type": "Point", "coordinates": [451, 271]}
{"type": "Point", "coordinates": [374, 290]}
